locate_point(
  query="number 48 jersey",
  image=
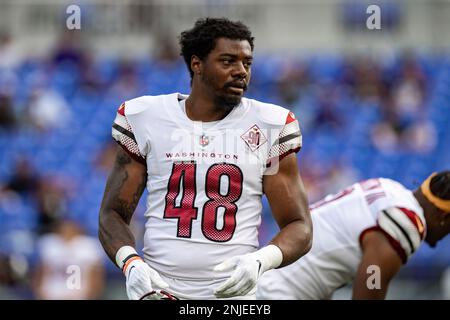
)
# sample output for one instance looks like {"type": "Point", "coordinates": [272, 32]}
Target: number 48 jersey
{"type": "Point", "coordinates": [204, 178]}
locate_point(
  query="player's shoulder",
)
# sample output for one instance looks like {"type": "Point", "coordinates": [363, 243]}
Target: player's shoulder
{"type": "Point", "coordinates": [269, 113]}
{"type": "Point", "coordinates": [401, 217]}
{"type": "Point", "coordinates": [395, 190]}
{"type": "Point", "coordinates": [145, 103]}
{"type": "Point", "coordinates": [395, 194]}
{"type": "Point", "coordinates": [392, 183]}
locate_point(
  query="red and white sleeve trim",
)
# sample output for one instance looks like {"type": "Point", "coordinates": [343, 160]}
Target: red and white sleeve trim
{"type": "Point", "coordinates": [122, 133]}
{"type": "Point", "coordinates": [394, 243]}
{"type": "Point", "coordinates": [289, 140]}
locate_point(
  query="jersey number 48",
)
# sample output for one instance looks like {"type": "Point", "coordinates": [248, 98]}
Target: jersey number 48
{"type": "Point", "coordinates": [184, 176]}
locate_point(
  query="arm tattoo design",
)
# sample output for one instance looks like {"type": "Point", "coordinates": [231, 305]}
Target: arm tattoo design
{"type": "Point", "coordinates": [125, 208]}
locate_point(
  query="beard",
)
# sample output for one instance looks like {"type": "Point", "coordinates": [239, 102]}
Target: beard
{"type": "Point", "coordinates": [222, 99]}
{"type": "Point", "coordinates": [226, 101]}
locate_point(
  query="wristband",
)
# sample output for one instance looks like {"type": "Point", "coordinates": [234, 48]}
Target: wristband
{"type": "Point", "coordinates": [270, 257]}
{"type": "Point", "coordinates": [125, 255]}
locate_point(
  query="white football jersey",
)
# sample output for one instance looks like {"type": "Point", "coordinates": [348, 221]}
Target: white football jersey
{"type": "Point", "coordinates": [339, 223]}
{"type": "Point", "coordinates": [204, 179]}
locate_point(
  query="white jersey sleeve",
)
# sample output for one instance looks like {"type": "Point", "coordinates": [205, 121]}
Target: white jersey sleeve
{"type": "Point", "coordinates": [403, 228]}
{"type": "Point", "coordinates": [289, 140]}
{"type": "Point", "coordinates": [123, 134]}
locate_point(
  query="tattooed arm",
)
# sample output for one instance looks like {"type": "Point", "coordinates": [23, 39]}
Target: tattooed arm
{"type": "Point", "coordinates": [124, 187]}
{"type": "Point", "coordinates": [123, 191]}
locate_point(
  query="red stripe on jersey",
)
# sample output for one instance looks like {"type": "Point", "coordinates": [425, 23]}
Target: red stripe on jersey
{"type": "Point", "coordinates": [394, 243]}
{"type": "Point", "coordinates": [415, 220]}
{"type": "Point", "coordinates": [121, 109]}
{"type": "Point", "coordinates": [281, 157]}
{"type": "Point", "coordinates": [288, 153]}
{"type": "Point", "coordinates": [290, 118]}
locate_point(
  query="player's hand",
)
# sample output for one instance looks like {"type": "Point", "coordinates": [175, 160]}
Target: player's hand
{"type": "Point", "coordinates": [243, 279]}
{"type": "Point", "coordinates": [247, 270]}
{"type": "Point", "coordinates": [140, 280]}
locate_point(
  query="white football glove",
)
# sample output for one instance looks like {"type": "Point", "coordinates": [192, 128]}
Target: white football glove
{"type": "Point", "coordinates": [247, 270]}
{"type": "Point", "coordinates": [140, 278]}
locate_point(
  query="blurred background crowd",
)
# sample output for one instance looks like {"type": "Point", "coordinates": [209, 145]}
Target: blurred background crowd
{"type": "Point", "coordinates": [379, 110]}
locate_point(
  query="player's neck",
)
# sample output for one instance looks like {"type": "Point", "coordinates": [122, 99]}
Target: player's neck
{"type": "Point", "coordinates": [200, 107]}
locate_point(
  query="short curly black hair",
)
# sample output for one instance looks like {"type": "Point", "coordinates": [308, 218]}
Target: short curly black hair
{"type": "Point", "coordinates": [201, 39]}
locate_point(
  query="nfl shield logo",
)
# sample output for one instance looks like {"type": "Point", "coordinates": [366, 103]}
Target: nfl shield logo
{"type": "Point", "coordinates": [204, 140]}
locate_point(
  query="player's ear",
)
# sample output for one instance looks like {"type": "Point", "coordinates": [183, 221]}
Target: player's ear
{"type": "Point", "coordinates": [196, 65]}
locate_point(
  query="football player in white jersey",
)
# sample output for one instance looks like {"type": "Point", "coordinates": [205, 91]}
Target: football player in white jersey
{"type": "Point", "coordinates": [370, 228]}
{"type": "Point", "coordinates": [206, 159]}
